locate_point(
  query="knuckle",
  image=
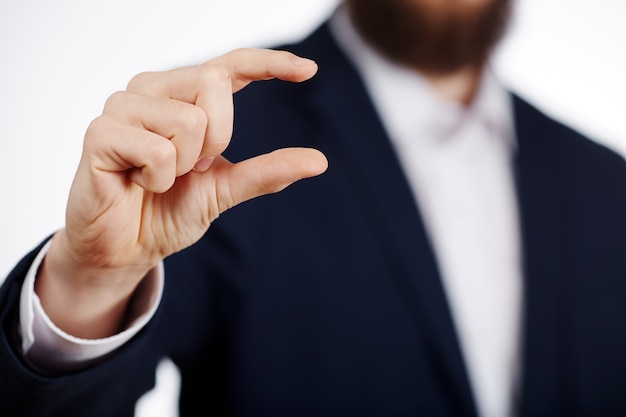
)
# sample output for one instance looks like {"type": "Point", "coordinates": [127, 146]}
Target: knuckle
{"type": "Point", "coordinates": [282, 54]}
{"type": "Point", "coordinates": [193, 121]}
{"type": "Point", "coordinates": [212, 75]}
{"type": "Point", "coordinates": [115, 101]}
{"type": "Point", "coordinates": [97, 129]}
{"type": "Point", "coordinates": [241, 51]}
{"type": "Point", "coordinates": [98, 134]}
{"type": "Point", "coordinates": [163, 154]}
{"type": "Point", "coordinates": [137, 81]}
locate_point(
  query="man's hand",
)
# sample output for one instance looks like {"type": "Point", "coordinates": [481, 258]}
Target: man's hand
{"type": "Point", "coordinates": [151, 180]}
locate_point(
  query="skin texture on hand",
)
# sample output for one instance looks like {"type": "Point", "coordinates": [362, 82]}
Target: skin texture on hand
{"type": "Point", "coordinates": [151, 180]}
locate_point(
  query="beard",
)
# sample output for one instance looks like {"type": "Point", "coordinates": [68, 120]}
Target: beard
{"type": "Point", "coordinates": [434, 36]}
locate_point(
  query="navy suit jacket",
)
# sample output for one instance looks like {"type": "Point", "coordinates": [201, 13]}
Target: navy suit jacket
{"type": "Point", "coordinates": [326, 300]}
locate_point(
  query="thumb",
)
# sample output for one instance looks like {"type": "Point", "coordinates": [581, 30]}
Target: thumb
{"type": "Point", "coordinates": [269, 173]}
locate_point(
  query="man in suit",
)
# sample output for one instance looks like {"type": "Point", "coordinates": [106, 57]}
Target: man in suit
{"type": "Point", "coordinates": [462, 255]}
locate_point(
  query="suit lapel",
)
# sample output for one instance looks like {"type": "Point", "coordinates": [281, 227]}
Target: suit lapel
{"type": "Point", "coordinates": [365, 150]}
{"type": "Point", "coordinates": [543, 206]}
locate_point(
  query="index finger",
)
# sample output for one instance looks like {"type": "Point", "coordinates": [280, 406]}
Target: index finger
{"type": "Point", "coordinates": [247, 65]}
{"type": "Point", "coordinates": [240, 67]}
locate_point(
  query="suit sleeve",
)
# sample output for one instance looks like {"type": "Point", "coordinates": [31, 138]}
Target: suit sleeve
{"type": "Point", "coordinates": [110, 387]}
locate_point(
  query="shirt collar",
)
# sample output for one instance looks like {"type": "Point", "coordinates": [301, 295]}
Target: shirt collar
{"type": "Point", "coordinates": [407, 103]}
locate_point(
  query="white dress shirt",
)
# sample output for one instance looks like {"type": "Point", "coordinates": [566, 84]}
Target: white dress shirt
{"type": "Point", "coordinates": [458, 161]}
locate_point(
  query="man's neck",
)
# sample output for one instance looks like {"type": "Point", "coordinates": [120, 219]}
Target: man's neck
{"type": "Point", "coordinates": [459, 86]}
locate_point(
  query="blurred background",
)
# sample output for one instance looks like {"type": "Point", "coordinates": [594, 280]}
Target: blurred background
{"type": "Point", "coordinates": [62, 59]}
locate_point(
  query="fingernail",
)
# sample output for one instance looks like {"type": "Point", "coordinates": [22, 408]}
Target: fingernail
{"type": "Point", "coordinates": [301, 62]}
{"type": "Point", "coordinates": [204, 164]}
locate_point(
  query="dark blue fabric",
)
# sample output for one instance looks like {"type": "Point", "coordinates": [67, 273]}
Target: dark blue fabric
{"type": "Point", "coordinates": [325, 299]}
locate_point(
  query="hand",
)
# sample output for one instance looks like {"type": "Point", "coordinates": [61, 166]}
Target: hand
{"type": "Point", "coordinates": [151, 180]}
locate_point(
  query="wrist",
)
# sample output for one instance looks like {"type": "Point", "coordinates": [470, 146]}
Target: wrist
{"type": "Point", "coordinates": [86, 301]}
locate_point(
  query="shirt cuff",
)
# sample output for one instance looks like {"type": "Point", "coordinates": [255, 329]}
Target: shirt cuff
{"type": "Point", "coordinates": [50, 349]}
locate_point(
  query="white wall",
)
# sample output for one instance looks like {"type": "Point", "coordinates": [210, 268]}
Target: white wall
{"type": "Point", "coordinates": [568, 57]}
{"type": "Point", "coordinates": [61, 59]}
